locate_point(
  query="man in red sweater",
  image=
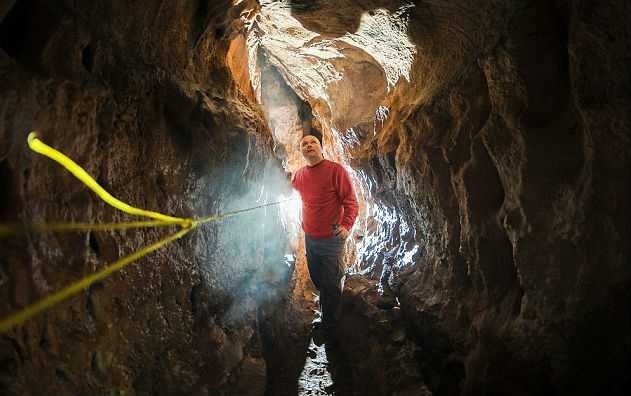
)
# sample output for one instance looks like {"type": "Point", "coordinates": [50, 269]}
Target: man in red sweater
{"type": "Point", "coordinates": [329, 210]}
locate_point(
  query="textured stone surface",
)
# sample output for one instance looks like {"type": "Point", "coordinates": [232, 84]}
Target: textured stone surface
{"type": "Point", "coordinates": [497, 192]}
{"type": "Point", "coordinates": [375, 355]}
{"type": "Point", "coordinates": [142, 96]}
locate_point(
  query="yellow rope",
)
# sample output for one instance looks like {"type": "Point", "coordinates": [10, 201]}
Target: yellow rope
{"type": "Point", "coordinates": [16, 228]}
{"type": "Point", "coordinates": [39, 147]}
{"type": "Point", "coordinates": [57, 297]}
{"type": "Point", "coordinates": [161, 220]}
{"type": "Point", "coordinates": [9, 229]}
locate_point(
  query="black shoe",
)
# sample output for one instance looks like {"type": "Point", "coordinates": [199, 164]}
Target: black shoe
{"type": "Point", "coordinates": [332, 343]}
{"type": "Point", "coordinates": [317, 333]}
{"type": "Point", "coordinates": [387, 301]}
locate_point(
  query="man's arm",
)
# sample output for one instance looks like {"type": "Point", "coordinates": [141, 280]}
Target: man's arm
{"type": "Point", "coordinates": [292, 177]}
{"type": "Point", "coordinates": [283, 182]}
{"type": "Point", "coordinates": [348, 199]}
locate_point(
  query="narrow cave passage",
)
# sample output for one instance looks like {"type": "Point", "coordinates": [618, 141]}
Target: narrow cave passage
{"type": "Point", "coordinates": [487, 142]}
{"type": "Point", "coordinates": [336, 88]}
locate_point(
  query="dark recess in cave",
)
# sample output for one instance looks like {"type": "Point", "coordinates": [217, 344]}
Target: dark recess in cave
{"type": "Point", "coordinates": [16, 27]}
{"type": "Point", "coordinates": [87, 57]}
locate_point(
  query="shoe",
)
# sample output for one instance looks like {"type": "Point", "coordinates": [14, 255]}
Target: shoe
{"type": "Point", "coordinates": [317, 333]}
{"type": "Point", "coordinates": [332, 343]}
{"type": "Point", "coordinates": [387, 301]}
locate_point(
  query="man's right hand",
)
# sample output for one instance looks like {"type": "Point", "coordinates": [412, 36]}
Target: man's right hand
{"type": "Point", "coordinates": [341, 232]}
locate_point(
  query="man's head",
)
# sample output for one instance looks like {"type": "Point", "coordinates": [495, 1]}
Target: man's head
{"type": "Point", "coordinates": [311, 149]}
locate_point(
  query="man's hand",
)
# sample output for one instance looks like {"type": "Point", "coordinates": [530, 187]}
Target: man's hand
{"type": "Point", "coordinates": [342, 233]}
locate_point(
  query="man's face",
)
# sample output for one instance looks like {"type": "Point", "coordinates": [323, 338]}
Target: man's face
{"type": "Point", "coordinates": [310, 148]}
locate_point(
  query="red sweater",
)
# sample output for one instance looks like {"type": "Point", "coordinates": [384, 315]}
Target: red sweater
{"type": "Point", "coordinates": [327, 198]}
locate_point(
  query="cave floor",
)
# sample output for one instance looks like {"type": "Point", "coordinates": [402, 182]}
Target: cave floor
{"type": "Point", "coordinates": [315, 378]}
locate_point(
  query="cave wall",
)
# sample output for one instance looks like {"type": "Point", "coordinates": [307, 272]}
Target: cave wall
{"type": "Point", "coordinates": [143, 96]}
{"type": "Point", "coordinates": [508, 154]}
{"type": "Point", "coordinates": [518, 167]}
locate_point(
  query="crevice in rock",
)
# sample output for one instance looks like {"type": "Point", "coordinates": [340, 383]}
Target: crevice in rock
{"type": "Point", "coordinates": [62, 376]}
{"type": "Point", "coordinates": [87, 57]}
{"type": "Point", "coordinates": [6, 184]}
{"type": "Point", "coordinates": [94, 308]}
{"type": "Point", "coordinates": [199, 21]}
{"type": "Point", "coordinates": [94, 244]}
{"type": "Point", "coordinates": [14, 28]}
{"type": "Point", "coordinates": [9, 363]}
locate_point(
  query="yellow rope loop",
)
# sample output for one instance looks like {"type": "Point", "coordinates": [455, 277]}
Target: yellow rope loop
{"type": "Point", "coordinates": [161, 220]}
{"type": "Point", "coordinates": [39, 147]}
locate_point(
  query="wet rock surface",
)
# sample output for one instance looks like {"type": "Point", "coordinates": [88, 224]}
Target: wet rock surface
{"type": "Point", "coordinates": [315, 379]}
{"type": "Point", "coordinates": [285, 325]}
{"type": "Point", "coordinates": [374, 354]}
{"type": "Point", "coordinates": [140, 96]}
{"type": "Point", "coordinates": [496, 189]}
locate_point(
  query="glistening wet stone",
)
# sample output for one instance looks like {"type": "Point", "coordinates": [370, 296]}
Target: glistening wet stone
{"type": "Point", "coordinates": [315, 379]}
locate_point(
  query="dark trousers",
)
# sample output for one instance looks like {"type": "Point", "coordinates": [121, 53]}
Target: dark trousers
{"type": "Point", "coordinates": [326, 268]}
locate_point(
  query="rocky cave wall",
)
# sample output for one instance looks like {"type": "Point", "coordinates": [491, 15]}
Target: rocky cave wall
{"type": "Point", "coordinates": [506, 156]}
{"type": "Point", "coordinates": [149, 97]}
